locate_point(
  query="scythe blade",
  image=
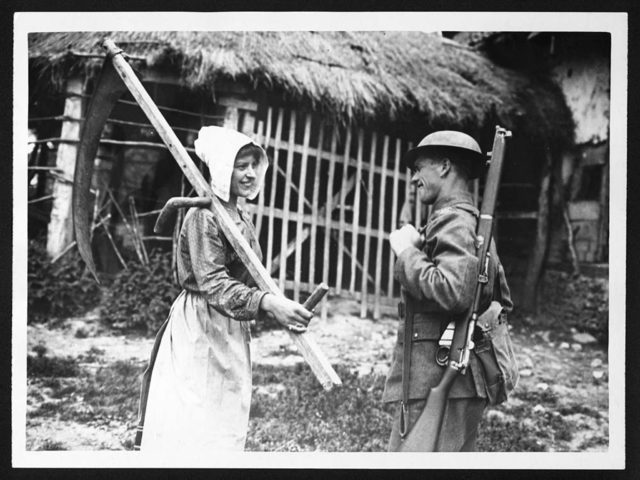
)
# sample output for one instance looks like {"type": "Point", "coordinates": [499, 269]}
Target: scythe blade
{"type": "Point", "coordinates": [108, 90]}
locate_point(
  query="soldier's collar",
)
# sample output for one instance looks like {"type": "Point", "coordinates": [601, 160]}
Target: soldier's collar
{"type": "Point", "coordinates": [454, 198]}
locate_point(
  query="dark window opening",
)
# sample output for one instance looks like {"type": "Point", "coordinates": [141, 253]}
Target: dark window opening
{"type": "Point", "coordinates": [590, 183]}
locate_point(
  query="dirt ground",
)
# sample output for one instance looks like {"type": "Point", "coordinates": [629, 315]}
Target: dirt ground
{"type": "Point", "coordinates": [575, 372]}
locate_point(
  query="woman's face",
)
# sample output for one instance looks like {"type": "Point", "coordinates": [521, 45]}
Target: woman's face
{"type": "Point", "coordinates": [243, 178]}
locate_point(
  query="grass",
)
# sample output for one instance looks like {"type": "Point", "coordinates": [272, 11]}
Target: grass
{"type": "Point", "coordinates": [291, 412]}
{"type": "Point", "coordinates": [529, 423]}
{"type": "Point", "coordinates": [353, 418]}
{"type": "Point", "coordinates": [94, 396]}
{"type": "Point", "coordinates": [44, 366]}
{"type": "Point", "coordinates": [300, 416]}
{"type": "Point", "coordinates": [52, 445]}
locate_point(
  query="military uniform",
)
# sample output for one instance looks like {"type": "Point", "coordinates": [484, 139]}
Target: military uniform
{"type": "Point", "coordinates": [438, 283]}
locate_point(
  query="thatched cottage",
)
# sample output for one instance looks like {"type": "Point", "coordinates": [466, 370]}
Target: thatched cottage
{"type": "Point", "coordinates": [336, 111]}
{"type": "Point", "coordinates": [577, 230]}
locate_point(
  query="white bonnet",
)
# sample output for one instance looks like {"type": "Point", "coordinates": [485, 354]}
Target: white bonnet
{"type": "Point", "coordinates": [217, 147]}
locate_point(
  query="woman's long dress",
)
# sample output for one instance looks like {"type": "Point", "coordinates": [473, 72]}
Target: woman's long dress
{"type": "Point", "coordinates": [200, 390]}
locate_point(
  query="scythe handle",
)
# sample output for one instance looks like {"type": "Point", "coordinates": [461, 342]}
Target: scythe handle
{"type": "Point", "coordinates": [318, 293]}
{"type": "Point", "coordinates": [174, 204]}
{"type": "Point", "coordinates": [319, 364]}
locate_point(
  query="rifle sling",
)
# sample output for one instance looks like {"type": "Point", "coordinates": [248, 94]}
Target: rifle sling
{"type": "Point", "coordinates": [406, 366]}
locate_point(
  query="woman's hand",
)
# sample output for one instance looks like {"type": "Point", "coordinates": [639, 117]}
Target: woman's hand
{"type": "Point", "coordinates": [289, 313]}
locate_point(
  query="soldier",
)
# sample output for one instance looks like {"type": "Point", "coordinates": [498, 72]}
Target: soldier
{"type": "Point", "coordinates": [437, 273]}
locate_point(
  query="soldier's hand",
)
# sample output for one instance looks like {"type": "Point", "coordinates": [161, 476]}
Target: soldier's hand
{"type": "Point", "coordinates": [404, 238]}
{"type": "Point", "coordinates": [288, 313]}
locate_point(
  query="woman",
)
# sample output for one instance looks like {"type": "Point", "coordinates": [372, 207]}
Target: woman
{"type": "Point", "coordinates": [200, 390]}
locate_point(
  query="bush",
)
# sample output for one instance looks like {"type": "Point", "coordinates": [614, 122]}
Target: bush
{"type": "Point", "coordinates": [45, 366]}
{"type": "Point", "coordinates": [140, 298]}
{"type": "Point", "coordinates": [63, 289]}
{"type": "Point", "coordinates": [580, 302]}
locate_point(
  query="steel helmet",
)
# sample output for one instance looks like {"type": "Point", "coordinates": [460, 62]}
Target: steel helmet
{"type": "Point", "coordinates": [449, 139]}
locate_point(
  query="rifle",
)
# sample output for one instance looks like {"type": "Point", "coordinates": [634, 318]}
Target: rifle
{"type": "Point", "coordinates": [426, 431]}
{"type": "Point", "coordinates": [117, 77]}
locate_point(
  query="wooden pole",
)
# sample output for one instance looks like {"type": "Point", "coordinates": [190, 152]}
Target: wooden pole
{"type": "Point", "coordinates": [381, 229]}
{"type": "Point", "coordinates": [328, 212]}
{"type": "Point", "coordinates": [603, 223]}
{"type": "Point", "coordinates": [284, 233]}
{"type": "Point", "coordinates": [137, 237]}
{"type": "Point", "coordinates": [564, 209]}
{"type": "Point", "coordinates": [265, 140]}
{"type": "Point", "coordinates": [96, 206]}
{"type": "Point", "coordinates": [394, 210]}
{"type": "Point", "coordinates": [408, 211]}
{"type": "Point", "coordinates": [570, 240]}
{"type": "Point", "coordinates": [231, 114]}
{"type": "Point", "coordinates": [536, 260]}
{"type": "Point", "coordinates": [69, 247]}
{"type": "Point", "coordinates": [318, 363]}
{"type": "Point", "coordinates": [274, 184]}
{"type": "Point", "coordinates": [314, 207]}
{"type": "Point", "coordinates": [41, 199]}
{"type": "Point", "coordinates": [367, 232]}
{"type": "Point", "coordinates": [115, 248]}
{"type": "Point", "coordinates": [306, 218]}
{"type": "Point", "coordinates": [257, 137]}
{"type": "Point", "coordinates": [356, 214]}
{"type": "Point", "coordinates": [134, 240]}
{"type": "Point", "coordinates": [417, 219]}
{"type": "Point", "coordinates": [60, 228]}
{"type": "Point", "coordinates": [160, 107]}
{"type": "Point", "coordinates": [301, 202]}
{"type": "Point", "coordinates": [343, 201]}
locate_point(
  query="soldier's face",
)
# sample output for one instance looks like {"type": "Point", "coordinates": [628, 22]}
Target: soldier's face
{"type": "Point", "coordinates": [427, 178]}
{"type": "Point", "coordinates": [243, 178]}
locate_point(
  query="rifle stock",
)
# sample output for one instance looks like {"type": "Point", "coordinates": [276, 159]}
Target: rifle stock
{"type": "Point", "coordinates": [424, 435]}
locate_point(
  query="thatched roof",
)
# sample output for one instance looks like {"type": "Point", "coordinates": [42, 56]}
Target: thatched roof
{"type": "Point", "coordinates": [395, 76]}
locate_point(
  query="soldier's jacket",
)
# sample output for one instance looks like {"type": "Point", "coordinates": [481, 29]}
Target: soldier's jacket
{"type": "Point", "coordinates": [438, 284]}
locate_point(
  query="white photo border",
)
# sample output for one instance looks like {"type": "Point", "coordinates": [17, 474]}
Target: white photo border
{"type": "Point", "coordinates": [616, 24]}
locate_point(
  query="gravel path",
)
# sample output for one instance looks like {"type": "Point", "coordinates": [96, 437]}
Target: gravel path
{"type": "Point", "coordinates": [576, 373]}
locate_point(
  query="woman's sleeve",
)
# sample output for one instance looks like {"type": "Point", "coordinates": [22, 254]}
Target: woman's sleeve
{"type": "Point", "coordinates": [207, 251]}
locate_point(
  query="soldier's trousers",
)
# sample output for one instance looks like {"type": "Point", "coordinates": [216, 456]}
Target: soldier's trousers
{"type": "Point", "coordinates": [459, 427]}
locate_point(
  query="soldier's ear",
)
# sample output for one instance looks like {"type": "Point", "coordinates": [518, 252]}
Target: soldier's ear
{"type": "Point", "coordinates": [445, 167]}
